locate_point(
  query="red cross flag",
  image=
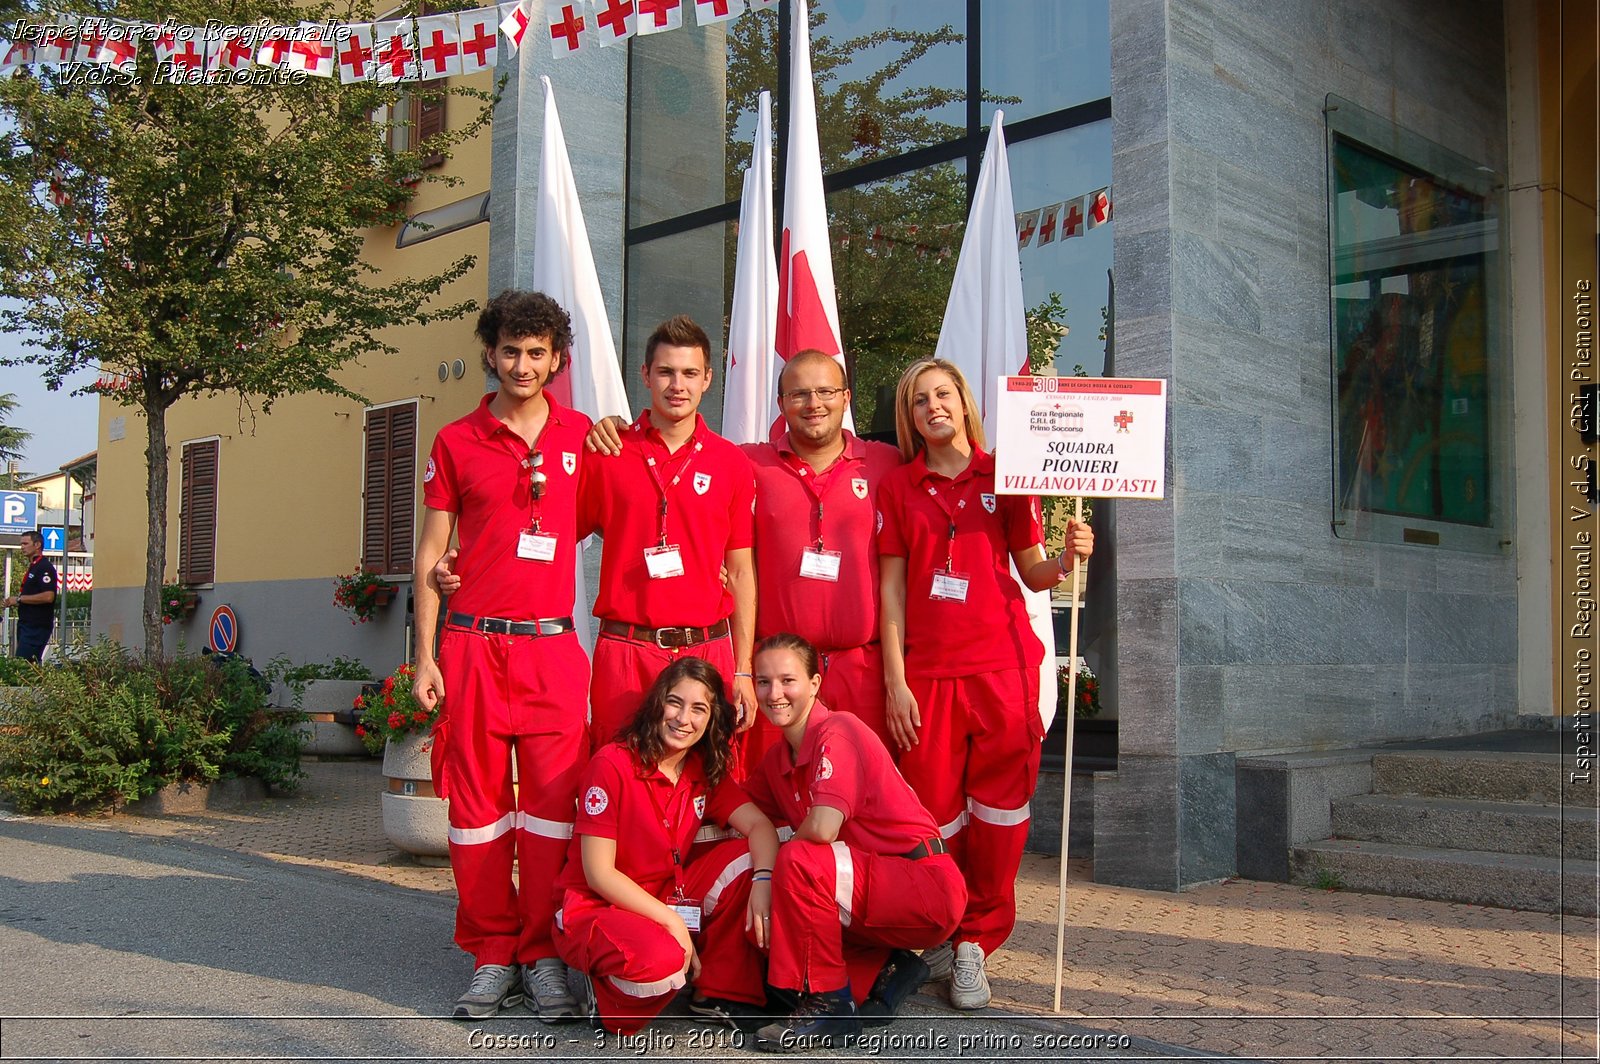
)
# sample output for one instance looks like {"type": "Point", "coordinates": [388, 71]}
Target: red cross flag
{"type": "Point", "coordinates": [1027, 225]}
{"type": "Point", "coordinates": [354, 52]}
{"type": "Point", "coordinates": [479, 45]}
{"type": "Point", "coordinates": [709, 11]}
{"type": "Point", "coordinates": [189, 55]}
{"type": "Point", "coordinates": [808, 312]}
{"type": "Point", "coordinates": [439, 46]}
{"type": "Point", "coordinates": [614, 21]}
{"type": "Point", "coordinates": [1072, 218]}
{"type": "Point", "coordinates": [92, 34]}
{"type": "Point", "coordinates": [312, 50]}
{"type": "Point", "coordinates": [58, 42]}
{"type": "Point", "coordinates": [1047, 223]}
{"type": "Point", "coordinates": [395, 50]}
{"type": "Point", "coordinates": [514, 24]}
{"type": "Point", "coordinates": [120, 50]}
{"type": "Point", "coordinates": [1099, 207]}
{"type": "Point", "coordinates": [658, 16]}
{"type": "Point", "coordinates": [229, 48]}
{"type": "Point", "coordinates": [274, 50]}
{"type": "Point", "coordinates": [15, 54]}
{"type": "Point", "coordinates": [749, 391]}
{"type": "Point", "coordinates": [164, 44]}
{"type": "Point", "coordinates": [58, 187]}
{"type": "Point", "coordinates": [567, 26]}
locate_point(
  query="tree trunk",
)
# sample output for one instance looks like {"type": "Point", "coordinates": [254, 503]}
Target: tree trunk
{"type": "Point", "coordinates": [155, 554]}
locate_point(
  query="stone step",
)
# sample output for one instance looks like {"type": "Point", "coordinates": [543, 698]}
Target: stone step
{"type": "Point", "coordinates": [1510, 881]}
{"type": "Point", "coordinates": [1465, 824]}
{"type": "Point", "coordinates": [1474, 774]}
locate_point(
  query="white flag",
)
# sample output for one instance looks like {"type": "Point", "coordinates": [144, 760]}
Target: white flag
{"type": "Point", "coordinates": [808, 313]}
{"type": "Point", "coordinates": [480, 48]}
{"type": "Point", "coordinates": [985, 334]}
{"type": "Point", "coordinates": [1072, 218]}
{"type": "Point", "coordinates": [312, 50]}
{"type": "Point", "coordinates": [563, 269]}
{"type": "Point", "coordinates": [1099, 207]}
{"type": "Point", "coordinates": [658, 16]}
{"type": "Point", "coordinates": [749, 390]}
{"type": "Point", "coordinates": [1047, 223]}
{"type": "Point", "coordinates": [229, 48]}
{"type": "Point", "coordinates": [1027, 225]}
{"type": "Point", "coordinates": [395, 50]}
{"type": "Point", "coordinates": [439, 46]}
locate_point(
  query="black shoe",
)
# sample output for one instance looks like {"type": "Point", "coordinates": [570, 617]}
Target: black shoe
{"type": "Point", "coordinates": [903, 975]}
{"type": "Point", "coordinates": [737, 1015]}
{"type": "Point", "coordinates": [825, 1021]}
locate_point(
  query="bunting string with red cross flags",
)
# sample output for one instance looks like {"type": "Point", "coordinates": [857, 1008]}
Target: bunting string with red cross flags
{"type": "Point", "coordinates": [1064, 220]}
{"type": "Point", "coordinates": [402, 49]}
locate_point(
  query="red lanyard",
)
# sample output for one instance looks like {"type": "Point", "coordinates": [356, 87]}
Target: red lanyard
{"type": "Point", "coordinates": [809, 478]}
{"type": "Point", "coordinates": [950, 515]}
{"type": "Point", "coordinates": [661, 488]}
{"type": "Point", "coordinates": [669, 826]}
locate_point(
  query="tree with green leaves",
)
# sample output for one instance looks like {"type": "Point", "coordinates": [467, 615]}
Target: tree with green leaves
{"type": "Point", "coordinates": [12, 438]}
{"type": "Point", "coordinates": [206, 239]}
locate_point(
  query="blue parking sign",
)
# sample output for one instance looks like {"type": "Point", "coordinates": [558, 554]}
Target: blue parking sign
{"type": "Point", "coordinates": [19, 511]}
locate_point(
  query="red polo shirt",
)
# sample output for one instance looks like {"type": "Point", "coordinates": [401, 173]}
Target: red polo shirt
{"type": "Point", "coordinates": [789, 494]}
{"type": "Point", "coordinates": [477, 471]}
{"type": "Point", "coordinates": [710, 498]}
{"type": "Point", "coordinates": [990, 631]}
{"type": "Point", "coordinates": [843, 765]}
{"type": "Point", "coordinates": [649, 815]}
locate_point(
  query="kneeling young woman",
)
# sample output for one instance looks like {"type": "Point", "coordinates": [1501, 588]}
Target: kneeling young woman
{"type": "Point", "coordinates": [864, 880]}
{"type": "Point", "coordinates": [637, 919]}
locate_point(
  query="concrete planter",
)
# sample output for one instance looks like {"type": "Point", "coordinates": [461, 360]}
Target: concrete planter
{"type": "Point", "coordinates": [330, 724]}
{"type": "Point", "coordinates": [414, 818]}
{"type": "Point", "coordinates": [179, 799]}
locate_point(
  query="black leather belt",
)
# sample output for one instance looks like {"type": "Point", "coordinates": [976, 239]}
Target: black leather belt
{"type": "Point", "coordinates": [665, 638]}
{"type": "Point", "coordinates": [501, 626]}
{"type": "Point", "coordinates": [925, 848]}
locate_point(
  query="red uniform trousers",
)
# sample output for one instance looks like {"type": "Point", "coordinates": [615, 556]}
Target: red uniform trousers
{"type": "Point", "coordinates": [636, 964]}
{"type": "Point", "coordinates": [977, 732]}
{"type": "Point", "coordinates": [624, 669]}
{"type": "Point", "coordinates": [852, 681]}
{"type": "Point", "coordinates": [838, 911]}
{"type": "Point", "coordinates": [522, 696]}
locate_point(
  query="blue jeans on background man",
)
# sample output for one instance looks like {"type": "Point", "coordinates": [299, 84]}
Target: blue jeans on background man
{"type": "Point", "coordinates": [31, 641]}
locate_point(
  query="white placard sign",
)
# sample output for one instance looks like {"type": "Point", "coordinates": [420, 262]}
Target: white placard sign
{"type": "Point", "coordinates": [1104, 437]}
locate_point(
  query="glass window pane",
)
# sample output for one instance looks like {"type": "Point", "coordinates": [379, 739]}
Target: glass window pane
{"type": "Point", "coordinates": [680, 274]}
{"type": "Point", "coordinates": [1041, 57]}
{"type": "Point", "coordinates": [1061, 169]}
{"type": "Point", "coordinates": [895, 244]}
{"type": "Point", "coordinates": [677, 144]}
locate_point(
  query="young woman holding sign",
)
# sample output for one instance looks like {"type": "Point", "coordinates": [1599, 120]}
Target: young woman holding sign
{"type": "Point", "coordinates": [637, 918]}
{"type": "Point", "coordinates": [961, 662]}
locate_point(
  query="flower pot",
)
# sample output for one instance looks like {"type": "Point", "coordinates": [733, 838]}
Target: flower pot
{"type": "Point", "coordinates": [329, 726]}
{"type": "Point", "coordinates": [414, 818]}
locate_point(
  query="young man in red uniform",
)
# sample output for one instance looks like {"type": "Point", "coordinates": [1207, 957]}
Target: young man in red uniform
{"type": "Point", "coordinates": [866, 873]}
{"type": "Point", "coordinates": [817, 576]}
{"type": "Point", "coordinates": [674, 509]}
{"type": "Point", "coordinates": [961, 662]}
{"type": "Point", "coordinates": [504, 480]}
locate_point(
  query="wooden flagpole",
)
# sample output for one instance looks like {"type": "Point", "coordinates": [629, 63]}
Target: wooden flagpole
{"type": "Point", "coordinates": [1066, 786]}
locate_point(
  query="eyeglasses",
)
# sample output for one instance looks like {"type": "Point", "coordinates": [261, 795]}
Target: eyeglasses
{"type": "Point", "coordinates": [537, 480]}
{"type": "Point", "coordinates": [801, 396]}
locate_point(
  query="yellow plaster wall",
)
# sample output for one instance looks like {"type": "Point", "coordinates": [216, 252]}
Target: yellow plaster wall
{"type": "Point", "coordinates": [289, 480]}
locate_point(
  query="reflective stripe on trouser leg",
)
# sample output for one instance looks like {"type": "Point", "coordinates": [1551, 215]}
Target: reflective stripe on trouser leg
{"type": "Point", "coordinates": [731, 966]}
{"type": "Point", "coordinates": [635, 963]}
{"type": "Point", "coordinates": [813, 891]}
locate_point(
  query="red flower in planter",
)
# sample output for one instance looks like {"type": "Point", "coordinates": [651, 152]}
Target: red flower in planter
{"type": "Point", "coordinates": [396, 720]}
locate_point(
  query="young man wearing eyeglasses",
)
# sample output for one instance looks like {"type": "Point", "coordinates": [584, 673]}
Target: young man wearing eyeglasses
{"type": "Point", "coordinates": [504, 481]}
{"type": "Point", "coordinates": [674, 510]}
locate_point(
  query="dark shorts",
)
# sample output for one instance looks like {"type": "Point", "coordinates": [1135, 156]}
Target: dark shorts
{"type": "Point", "coordinates": [30, 642]}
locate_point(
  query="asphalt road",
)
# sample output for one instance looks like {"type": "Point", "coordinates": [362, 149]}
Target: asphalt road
{"type": "Point", "coordinates": [119, 947]}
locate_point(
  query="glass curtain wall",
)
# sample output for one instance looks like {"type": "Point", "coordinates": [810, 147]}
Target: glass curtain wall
{"type": "Point", "coordinates": [905, 94]}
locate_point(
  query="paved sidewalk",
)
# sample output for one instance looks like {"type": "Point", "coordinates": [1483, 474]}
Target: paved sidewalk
{"type": "Point", "coordinates": [1259, 970]}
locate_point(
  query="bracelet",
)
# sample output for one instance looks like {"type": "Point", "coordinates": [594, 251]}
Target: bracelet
{"type": "Point", "coordinates": [762, 879]}
{"type": "Point", "coordinates": [746, 675]}
{"type": "Point", "coordinates": [1061, 562]}
{"type": "Point", "coordinates": [757, 871]}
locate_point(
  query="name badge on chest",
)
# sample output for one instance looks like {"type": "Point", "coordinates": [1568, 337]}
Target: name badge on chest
{"type": "Point", "coordinates": [949, 587]}
{"type": "Point", "coordinates": [817, 564]}
{"type": "Point", "coordinates": [662, 562]}
{"type": "Point", "coordinates": [537, 546]}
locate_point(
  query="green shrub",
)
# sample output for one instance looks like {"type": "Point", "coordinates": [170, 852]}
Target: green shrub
{"type": "Point", "coordinates": [109, 729]}
{"type": "Point", "coordinates": [14, 672]}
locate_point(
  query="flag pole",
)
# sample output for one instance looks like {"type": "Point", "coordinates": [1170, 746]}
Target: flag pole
{"type": "Point", "coordinates": [1066, 786]}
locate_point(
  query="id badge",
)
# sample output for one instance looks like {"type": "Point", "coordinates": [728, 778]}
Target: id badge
{"type": "Point", "coordinates": [949, 587]}
{"type": "Point", "coordinates": [537, 546]}
{"type": "Point", "coordinates": [663, 562]}
{"type": "Point", "coordinates": [689, 910]}
{"type": "Point", "coordinates": [820, 564]}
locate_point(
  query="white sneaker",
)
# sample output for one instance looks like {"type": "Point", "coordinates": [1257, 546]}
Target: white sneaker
{"type": "Point", "coordinates": [493, 987]}
{"type": "Point", "coordinates": [969, 984]}
{"type": "Point", "coordinates": [544, 982]}
{"type": "Point", "coordinates": [939, 959]}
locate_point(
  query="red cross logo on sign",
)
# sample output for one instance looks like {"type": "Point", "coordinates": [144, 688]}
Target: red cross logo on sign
{"type": "Point", "coordinates": [1123, 420]}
